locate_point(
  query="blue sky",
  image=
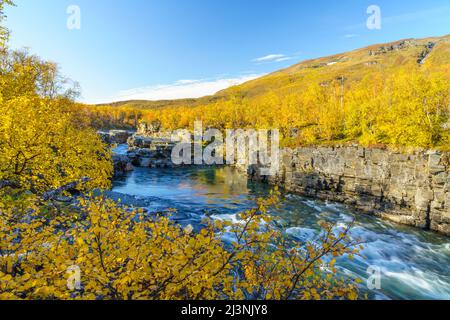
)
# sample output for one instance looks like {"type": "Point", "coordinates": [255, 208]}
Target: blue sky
{"type": "Point", "coordinates": [156, 49]}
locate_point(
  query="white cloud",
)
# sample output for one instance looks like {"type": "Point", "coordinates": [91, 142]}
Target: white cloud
{"type": "Point", "coordinates": [187, 81]}
{"type": "Point", "coordinates": [273, 58]}
{"type": "Point", "coordinates": [283, 59]}
{"type": "Point", "coordinates": [183, 89]}
{"type": "Point", "coordinates": [349, 36]}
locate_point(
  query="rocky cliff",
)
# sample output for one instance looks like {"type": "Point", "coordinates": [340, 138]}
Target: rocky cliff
{"type": "Point", "coordinates": [412, 189]}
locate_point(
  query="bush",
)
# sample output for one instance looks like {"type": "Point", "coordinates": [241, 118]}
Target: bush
{"type": "Point", "coordinates": [125, 254]}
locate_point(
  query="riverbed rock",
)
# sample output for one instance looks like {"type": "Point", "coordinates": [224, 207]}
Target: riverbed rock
{"type": "Point", "coordinates": [125, 199]}
{"type": "Point", "coordinates": [151, 151]}
{"type": "Point", "coordinates": [122, 165]}
{"type": "Point", "coordinates": [115, 136]}
{"type": "Point", "coordinates": [145, 162]}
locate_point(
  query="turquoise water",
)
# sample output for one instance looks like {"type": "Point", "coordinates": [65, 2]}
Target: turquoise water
{"type": "Point", "coordinates": [414, 264]}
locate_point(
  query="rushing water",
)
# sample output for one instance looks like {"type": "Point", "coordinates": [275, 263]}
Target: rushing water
{"type": "Point", "coordinates": [415, 264]}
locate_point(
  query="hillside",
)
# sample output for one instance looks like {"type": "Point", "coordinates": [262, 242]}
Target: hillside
{"type": "Point", "coordinates": [354, 66]}
{"type": "Point", "coordinates": [146, 104]}
{"type": "Point", "coordinates": [432, 53]}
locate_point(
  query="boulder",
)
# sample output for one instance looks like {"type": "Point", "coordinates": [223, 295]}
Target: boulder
{"type": "Point", "coordinates": [114, 136]}
{"type": "Point", "coordinates": [122, 165]}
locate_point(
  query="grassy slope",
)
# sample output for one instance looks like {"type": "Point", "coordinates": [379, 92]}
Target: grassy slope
{"type": "Point", "coordinates": [353, 66]}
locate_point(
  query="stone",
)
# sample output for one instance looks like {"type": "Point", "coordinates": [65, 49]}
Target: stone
{"type": "Point", "coordinates": [437, 169]}
{"type": "Point", "coordinates": [434, 158]}
{"type": "Point", "coordinates": [145, 162]}
{"type": "Point", "coordinates": [361, 152]}
{"type": "Point", "coordinates": [423, 198]}
{"type": "Point", "coordinates": [121, 164]}
{"type": "Point", "coordinates": [114, 136]}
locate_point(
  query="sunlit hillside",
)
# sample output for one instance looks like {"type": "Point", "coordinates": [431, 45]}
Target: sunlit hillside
{"type": "Point", "coordinates": [432, 54]}
{"type": "Point", "coordinates": [354, 66]}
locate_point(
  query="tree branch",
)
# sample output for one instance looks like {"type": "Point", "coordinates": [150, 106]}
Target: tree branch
{"type": "Point", "coordinates": [9, 183]}
{"type": "Point", "coordinates": [52, 194]}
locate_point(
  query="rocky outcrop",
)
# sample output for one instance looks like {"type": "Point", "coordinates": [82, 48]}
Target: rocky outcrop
{"type": "Point", "coordinates": [150, 152]}
{"type": "Point", "coordinates": [412, 189]}
{"type": "Point", "coordinates": [122, 165]}
{"type": "Point", "coordinates": [425, 53]}
{"type": "Point", "coordinates": [393, 47]}
{"type": "Point", "coordinates": [427, 48]}
{"type": "Point", "coordinates": [144, 151]}
{"type": "Point", "coordinates": [115, 136]}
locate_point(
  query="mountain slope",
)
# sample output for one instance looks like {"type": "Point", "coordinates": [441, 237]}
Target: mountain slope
{"type": "Point", "coordinates": [353, 66]}
{"type": "Point", "coordinates": [431, 53]}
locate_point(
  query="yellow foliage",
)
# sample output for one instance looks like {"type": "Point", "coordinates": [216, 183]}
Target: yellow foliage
{"type": "Point", "coordinates": [126, 254]}
{"type": "Point", "coordinates": [3, 30]}
{"type": "Point", "coordinates": [42, 146]}
{"type": "Point", "coordinates": [395, 108]}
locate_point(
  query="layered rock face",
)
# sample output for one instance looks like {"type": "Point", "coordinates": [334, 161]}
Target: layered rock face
{"type": "Point", "coordinates": [412, 189]}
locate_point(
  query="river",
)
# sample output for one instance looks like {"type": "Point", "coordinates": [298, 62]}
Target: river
{"type": "Point", "coordinates": [414, 264]}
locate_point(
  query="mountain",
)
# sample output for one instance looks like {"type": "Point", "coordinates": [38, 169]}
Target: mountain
{"type": "Point", "coordinates": [431, 53]}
